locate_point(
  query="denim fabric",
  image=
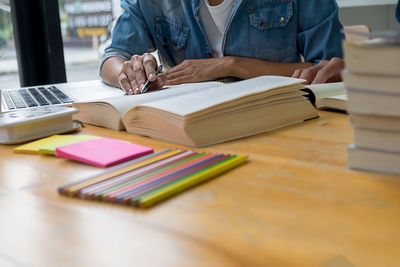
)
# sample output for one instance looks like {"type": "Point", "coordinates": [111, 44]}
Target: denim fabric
{"type": "Point", "coordinates": [273, 30]}
{"type": "Point", "coordinates": [398, 11]}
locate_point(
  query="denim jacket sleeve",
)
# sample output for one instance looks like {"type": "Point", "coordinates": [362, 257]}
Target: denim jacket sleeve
{"type": "Point", "coordinates": [320, 31]}
{"type": "Point", "coordinates": [131, 28]}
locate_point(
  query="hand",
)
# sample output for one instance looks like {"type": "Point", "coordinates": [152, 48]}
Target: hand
{"type": "Point", "coordinates": [195, 70]}
{"type": "Point", "coordinates": [135, 72]}
{"type": "Point", "coordinates": [325, 71]}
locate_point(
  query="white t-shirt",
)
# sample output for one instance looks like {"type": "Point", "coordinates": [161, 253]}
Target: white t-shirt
{"type": "Point", "coordinates": [214, 19]}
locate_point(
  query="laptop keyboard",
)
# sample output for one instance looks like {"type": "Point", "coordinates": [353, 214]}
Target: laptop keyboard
{"type": "Point", "coordinates": [33, 97]}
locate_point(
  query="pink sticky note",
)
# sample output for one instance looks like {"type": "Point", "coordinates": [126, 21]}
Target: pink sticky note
{"type": "Point", "coordinates": [102, 152]}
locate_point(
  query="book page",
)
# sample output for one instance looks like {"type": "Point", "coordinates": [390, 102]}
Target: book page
{"type": "Point", "coordinates": [325, 90]}
{"type": "Point", "coordinates": [338, 102]}
{"type": "Point", "coordinates": [124, 103]}
{"type": "Point", "coordinates": [190, 103]}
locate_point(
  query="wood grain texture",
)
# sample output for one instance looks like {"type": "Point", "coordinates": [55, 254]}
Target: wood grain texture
{"type": "Point", "coordinates": [294, 204]}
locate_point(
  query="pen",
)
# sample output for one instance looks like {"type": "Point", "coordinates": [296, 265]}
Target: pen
{"type": "Point", "coordinates": [147, 84]}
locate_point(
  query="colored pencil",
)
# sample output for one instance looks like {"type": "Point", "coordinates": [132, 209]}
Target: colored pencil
{"type": "Point", "coordinates": [148, 180]}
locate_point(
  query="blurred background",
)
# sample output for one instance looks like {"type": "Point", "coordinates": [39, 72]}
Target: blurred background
{"type": "Point", "coordinates": [86, 27]}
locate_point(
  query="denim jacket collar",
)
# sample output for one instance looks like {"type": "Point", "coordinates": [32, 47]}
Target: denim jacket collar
{"type": "Point", "coordinates": [197, 4]}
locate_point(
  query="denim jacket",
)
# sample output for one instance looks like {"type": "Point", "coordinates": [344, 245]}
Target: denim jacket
{"type": "Point", "coordinates": [273, 30]}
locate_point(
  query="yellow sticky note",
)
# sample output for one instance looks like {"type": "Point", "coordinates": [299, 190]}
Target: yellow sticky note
{"type": "Point", "coordinates": [50, 147]}
{"type": "Point", "coordinates": [33, 147]}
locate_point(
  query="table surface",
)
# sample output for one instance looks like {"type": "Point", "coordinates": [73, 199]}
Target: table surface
{"type": "Point", "coordinates": [294, 203]}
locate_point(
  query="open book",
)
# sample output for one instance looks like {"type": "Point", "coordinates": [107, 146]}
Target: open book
{"type": "Point", "coordinates": [201, 114]}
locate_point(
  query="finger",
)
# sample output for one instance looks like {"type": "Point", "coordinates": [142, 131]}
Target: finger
{"type": "Point", "coordinates": [135, 87]}
{"type": "Point", "coordinates": [185, 65]}
{"type": "Point", "coordinates": [162, 79]}
{"type": "Point", "coordinates": [329, 71]}
{"type": "Point", "coordinates": [158, 83]}
{"type": "Point", "coordinates": [124, 83]}
{"type": "Point", "coordinates": [138, 69]}
{"type": "Point", "coordinates": [150, 65]}
{"type": "Point", "coordinates": [176, 73]}
{"type": "Point", "coordinates": [309, 74]}
{"type": "Point", "coordinates": [322, 76]}
{"type": "Point", "coordinates": [181, 79]}
{"type": "Point", "coordinates": [296, 73]}
{"type": "Point", "coordinates": [128, 70]}
{"type": "Point", "coordinates": [171, 75]}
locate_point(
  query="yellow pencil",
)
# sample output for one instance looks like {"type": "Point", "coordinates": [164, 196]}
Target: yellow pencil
{"type": "Point", "coordinates": [174, 188]}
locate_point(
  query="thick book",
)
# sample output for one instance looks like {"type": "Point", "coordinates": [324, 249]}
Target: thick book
{"type": "Point", "coordinates": [372, 83]}
{"type": "Point", "coordinates": [375, 122]}
{"type": "Point", "coordinates": [376, 56]}
{"type": "Point", "coordinates": [373, 160]}
{"type": "Point", "coordinates": [369, 102]}
{"type": "Point", "coordinates": [377, 139]}
{"type": "Point", "coordinates": [202, 114]}
{"type": "Point", "coordinates": [328, 95]}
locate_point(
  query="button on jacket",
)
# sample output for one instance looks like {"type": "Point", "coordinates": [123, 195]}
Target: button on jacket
{"type": "Point", "coordinates": [272, 30]}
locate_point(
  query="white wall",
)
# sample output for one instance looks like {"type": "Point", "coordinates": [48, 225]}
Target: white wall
{"type": "Point", "coordinates": [379, 15]}
{"type": "Point", "coordinates": [353, 3]}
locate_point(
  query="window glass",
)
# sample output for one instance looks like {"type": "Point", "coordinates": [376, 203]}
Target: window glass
{"type": "Point", "coordinates": [85, 27]}
{"type": "Point", "coordinates": [8, 60]}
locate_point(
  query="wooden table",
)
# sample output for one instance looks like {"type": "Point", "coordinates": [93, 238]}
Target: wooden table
{"type": "Point", "coordinates": [294, 204]}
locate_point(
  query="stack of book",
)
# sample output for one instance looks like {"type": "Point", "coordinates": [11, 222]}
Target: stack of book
{"type": "Point", "coordinates": [372, 80]}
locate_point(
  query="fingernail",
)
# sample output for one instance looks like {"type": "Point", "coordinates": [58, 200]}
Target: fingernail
{"type": "Point", "coordinates": [151, 76]}
{"type": "Point", "coordinates": [137, 91]}
{"type": "Point", "coordinates": [130, 91]}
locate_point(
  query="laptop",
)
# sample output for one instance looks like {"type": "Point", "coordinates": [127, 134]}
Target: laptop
{"type": "Point", "coordinates": [56, 94]}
